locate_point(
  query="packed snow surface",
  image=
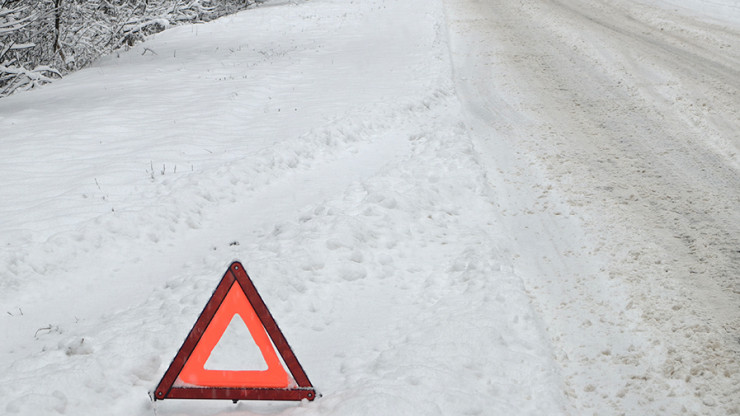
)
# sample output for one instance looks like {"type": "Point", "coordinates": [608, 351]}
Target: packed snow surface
{"type": "Point", "coordinates": [450, 207]}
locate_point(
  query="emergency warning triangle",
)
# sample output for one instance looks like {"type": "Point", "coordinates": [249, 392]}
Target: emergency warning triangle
{"type": "Point", "coordinates": [187, 377]}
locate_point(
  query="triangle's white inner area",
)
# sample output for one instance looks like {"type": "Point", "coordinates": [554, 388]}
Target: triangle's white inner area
{"type": "Point", "coordinates": [236, 350]}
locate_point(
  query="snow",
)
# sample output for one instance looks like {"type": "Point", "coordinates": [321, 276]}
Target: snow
{"type": "Point", "coordinates": [615, 142]}
{"type": "Point", "coordinates": [450, 207]}
{"type": "Point", "coordinates": [721, 11]}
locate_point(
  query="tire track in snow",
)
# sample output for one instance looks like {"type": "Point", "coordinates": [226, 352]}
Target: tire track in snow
{"type": "Point", "coordinates": [584, 102]}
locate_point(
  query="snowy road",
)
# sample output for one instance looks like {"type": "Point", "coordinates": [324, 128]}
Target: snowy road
{"type": "Point", "coordinates": [451, 207]}
{"type": "Point", "coordinates": [630, 114]}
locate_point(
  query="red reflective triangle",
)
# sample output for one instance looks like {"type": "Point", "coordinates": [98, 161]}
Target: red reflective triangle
{"type": "Point", "coordinates": [186, 377]}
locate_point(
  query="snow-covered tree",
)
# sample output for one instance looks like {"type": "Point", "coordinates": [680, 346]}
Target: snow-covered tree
{"type": "Point", "coordinates": [21, 27]}
{"type": "Point", "coordinates": [43, 39]}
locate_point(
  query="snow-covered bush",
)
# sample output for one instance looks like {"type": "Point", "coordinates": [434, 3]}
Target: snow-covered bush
{"type": "Point", "coordinates": [21, 28]}
{"type": "Point", "coordinates": [43, 39]}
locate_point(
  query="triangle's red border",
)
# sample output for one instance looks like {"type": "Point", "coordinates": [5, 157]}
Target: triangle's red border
{"type": "Point", "coordinates": [236, 272]}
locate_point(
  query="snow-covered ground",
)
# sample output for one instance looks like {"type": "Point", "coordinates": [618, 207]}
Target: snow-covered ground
{"type": "Point", "coordinates": [451, 207]}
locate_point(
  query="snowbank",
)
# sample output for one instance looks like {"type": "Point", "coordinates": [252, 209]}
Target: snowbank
{"type": "Point", "coordinates": [320, 143]}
